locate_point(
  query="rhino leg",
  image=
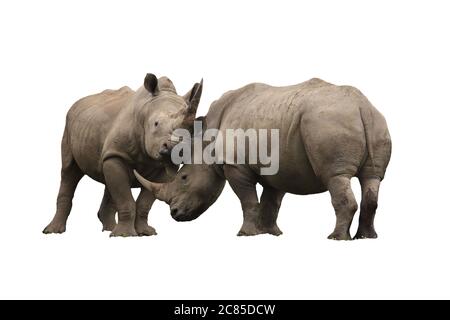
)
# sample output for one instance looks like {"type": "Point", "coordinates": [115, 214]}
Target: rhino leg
{"type": "Point", "coordinates": [243, 183]}
{"type": "Point", "coordinates": [70, 176]}
{"type": "Point", "coordinates": [107, 212]}
{"type": "Point", "coordinates": [344, 204]}
{"type": "Point", "coordinates": [143, 204]}
{"type": "Point", "coordinates": [270, 205]}
{"type": "Point", "coordinates": [369, 204]}
{"type": "Point", "coordinates": [117, 177]}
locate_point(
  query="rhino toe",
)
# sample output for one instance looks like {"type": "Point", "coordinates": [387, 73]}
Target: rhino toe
{"type": "Point", "coordinates": [366, 234]}
{"type": "Point", "coordinates": [55, 228]}
{"type": "Point", "coordinates": [340, 236]}
{"type": "Point", "coordinates": [146, 231]}
{"type": "Point", "coordinates": [123, 230]}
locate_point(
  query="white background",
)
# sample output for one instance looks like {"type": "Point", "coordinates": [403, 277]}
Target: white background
{"type": "Point", "coordinates": [55, 52]}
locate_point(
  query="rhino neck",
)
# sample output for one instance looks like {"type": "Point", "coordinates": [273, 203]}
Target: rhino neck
{"type": "Point", "coordinates": [219, 182]}
{"type": "Point", "coordinates": [127, 135]}
{"type": "Point", "coordinates": [137, 114]}
{"type": "Point", "coordinates": [218, 169]}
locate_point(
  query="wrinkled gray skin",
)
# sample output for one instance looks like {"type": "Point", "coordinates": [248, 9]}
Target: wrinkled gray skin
{"type": "Point", "coordinates": [328, 134]}
{"type": "Point", "coordinates": [109, 134]}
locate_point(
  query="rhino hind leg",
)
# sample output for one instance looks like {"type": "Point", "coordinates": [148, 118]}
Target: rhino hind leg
{"type": "Point", "coordinates": [144, 203]}
{"type": "Point", "coordinates": [107, 212]}
{"type": "Point", "coordinates": [71, 174]}
{"type": "Point", "coordinates": [369, 204]}
{"type": "Point", "coordinates": [270, 206]}
{"type": "Point", "coordinates": [344, 204]}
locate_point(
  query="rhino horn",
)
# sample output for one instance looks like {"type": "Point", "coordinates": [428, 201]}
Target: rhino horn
{"type": "Point", "coordinates": [193, 99]}
{"type": "Point", "coordinates": [154, 187]}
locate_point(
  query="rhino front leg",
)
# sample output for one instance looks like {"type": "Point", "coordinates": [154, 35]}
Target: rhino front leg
{"type": "Point", "coordinates": [270, 205]}
{"type": "Point", "coordinates": [107, 212]}
{"type": "Point", "coordinates": [144, 203]}
{"type": "Point", "coordinates": [344, 204]}
{"type": "Point", "coordinates": [243, 183]}
{"type": "Point", "coordinates": [117, 177]}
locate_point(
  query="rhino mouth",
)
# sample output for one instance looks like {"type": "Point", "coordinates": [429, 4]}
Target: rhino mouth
{"type": "Point", "coordinates": [183, 215]}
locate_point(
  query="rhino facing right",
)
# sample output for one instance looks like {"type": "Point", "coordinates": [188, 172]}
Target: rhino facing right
{"type": "Point", "coordinates": [327, 135]}
{"type": "Point", "coordinates": [109, 134]}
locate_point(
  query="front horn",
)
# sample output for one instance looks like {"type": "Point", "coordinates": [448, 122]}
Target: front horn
{"type": "Point", "coordinates": [154, 187]}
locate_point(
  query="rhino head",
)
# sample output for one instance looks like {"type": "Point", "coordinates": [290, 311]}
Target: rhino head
{"type": "Point", "coordinates": [160, 111]}
{"type": "Point", "coordinates": [193, 190]}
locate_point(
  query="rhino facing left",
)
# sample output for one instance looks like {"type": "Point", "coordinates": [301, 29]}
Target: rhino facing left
{"type": "Point", "coordinates": [109, 134]}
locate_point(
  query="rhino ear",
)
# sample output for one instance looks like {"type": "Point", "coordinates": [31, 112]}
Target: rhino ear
{"type": "Point", "coordinates": [151, 83]}
{"type": "Point", "coordinates": [193, 97]}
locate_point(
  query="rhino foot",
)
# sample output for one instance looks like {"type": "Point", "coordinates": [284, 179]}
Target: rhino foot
{"type": "Point", "coordinates": [55, 227]}
{"type": "Point", "coordinates": [249, 229]}
{"type": "Point", "coordinates": [340, 236]}
{"type": "Point", "coordinates": [366, 234]}
{"type": "Point", "coordinates": [145, 230]}
{"type": "Point", "coordinates": [123, 230]}
{"type": "Point", "coordinates": [109, 225]}
{"type": "Point", "coordinates": [253, 230]}
{"type": "Point", "coordinates": [275, 230]}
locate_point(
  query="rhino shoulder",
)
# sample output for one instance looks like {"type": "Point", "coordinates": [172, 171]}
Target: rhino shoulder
{"type": "Point", "coordinates": [109, 99]}
{"type": "Point", "coordinates": [233, 95]}
{"type": "Point", "coordinates": [105, 94]}
{"type": "Point", "coordinates": [317, 81]}
{"type": "Point", "coordinates": [123, 90]}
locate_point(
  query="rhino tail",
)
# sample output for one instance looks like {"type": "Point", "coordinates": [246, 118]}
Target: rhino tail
{"type": "Point", "coordinates": [368, 124]}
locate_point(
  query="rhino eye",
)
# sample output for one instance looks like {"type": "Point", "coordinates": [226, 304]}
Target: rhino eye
{"type": "Point", "coordinates": [156, 123]}
{"type": "Point", "coordinates": [184, 177]}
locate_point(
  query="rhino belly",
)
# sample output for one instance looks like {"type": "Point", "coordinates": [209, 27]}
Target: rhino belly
{"type": "Point", "coordinates": [87, 154]}
{"type": "Point", "coordinates": [295, 174]}
{"type": "Point", "coordinates": [87, 137]}
{"type": "Point", "coordinates": [292, 181]}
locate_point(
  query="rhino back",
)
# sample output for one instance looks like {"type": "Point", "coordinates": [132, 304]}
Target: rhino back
{"type": "Point", "coordinates": [88, 123]}
{"type": "Point", "coordinates": [322, 104]}
{"type": "Point", "coordinates": [258, 104]}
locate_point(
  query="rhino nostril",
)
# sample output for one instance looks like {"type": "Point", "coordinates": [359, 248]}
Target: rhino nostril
{"type": "Point", "coordinates": [164, 151]}
{"type": "Point", "coordinates": [174, 212]}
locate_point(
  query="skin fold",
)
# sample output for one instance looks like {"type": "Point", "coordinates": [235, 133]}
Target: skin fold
{"type": "Point", "coordinates": [109, 134]}
{"type": "Point", "coordinates": [328, 134]}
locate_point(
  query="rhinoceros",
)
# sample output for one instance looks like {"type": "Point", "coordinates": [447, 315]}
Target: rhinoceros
{"type": "Point", "coordinates": [327, 135]}
{"type": "Point", "coordinates": [109, 134]}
